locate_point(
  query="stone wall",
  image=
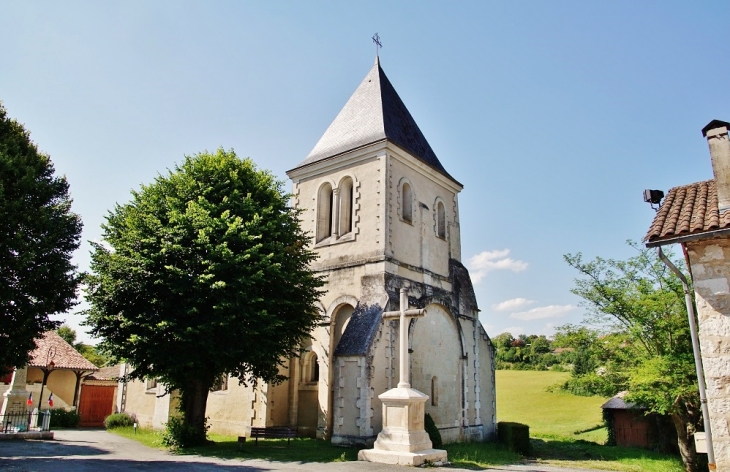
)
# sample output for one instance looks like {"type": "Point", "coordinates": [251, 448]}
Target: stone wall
{"type": "Point", "coordinates": [141, 402]}
{"type": "Point", "coordinates": [711, 278]}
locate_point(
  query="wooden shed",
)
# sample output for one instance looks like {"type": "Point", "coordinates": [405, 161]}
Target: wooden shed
{"type": "Point", "coordinates": [629, 425]}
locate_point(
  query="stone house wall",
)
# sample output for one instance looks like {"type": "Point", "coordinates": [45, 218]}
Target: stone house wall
{"type": "Point", "coordinates": [711, 279]}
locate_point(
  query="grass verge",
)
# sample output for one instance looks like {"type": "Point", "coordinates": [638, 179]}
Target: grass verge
{"type": "Point", "coordinates": [226, 447]}
{"type": "Point", "coordinates": [145, 436]}
{"type": "Point", "coordinates": [567, 452]}
{"type": "Point", "coordinates": [480, 455]}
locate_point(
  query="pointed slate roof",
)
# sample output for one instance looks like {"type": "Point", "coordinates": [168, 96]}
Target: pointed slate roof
{"type": "Point", "coordinates": [374, 113]}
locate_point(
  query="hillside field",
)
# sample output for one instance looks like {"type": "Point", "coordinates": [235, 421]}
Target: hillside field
{"type": "Point", "coordinates": [521, 397]}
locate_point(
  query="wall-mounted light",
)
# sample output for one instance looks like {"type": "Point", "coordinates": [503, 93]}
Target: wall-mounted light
{"type": "Point", "coordinates": [653, 197]}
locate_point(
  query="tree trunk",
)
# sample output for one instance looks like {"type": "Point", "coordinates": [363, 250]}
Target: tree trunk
{"type": "Point", "coordinates": [194, 398]}
{"type": "Point", "coordinates": [685, 441]}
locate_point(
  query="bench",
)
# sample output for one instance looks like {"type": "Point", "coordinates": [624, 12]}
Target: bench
{"type": "Point", "coordinates": [274, 432]}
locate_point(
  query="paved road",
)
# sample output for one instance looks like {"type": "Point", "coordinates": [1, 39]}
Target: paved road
{"type": "Point", "coordinates": [97, 450]}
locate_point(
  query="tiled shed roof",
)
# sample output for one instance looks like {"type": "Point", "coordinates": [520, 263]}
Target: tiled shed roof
{"type": "Point", "coordinates": [374, 113]}
{"type": "Point", "coordinates": [688, 210]}
{"type": "Point", "coordinates": [106, 373]}
{"type": "Point", "coordinates": [66, 357]}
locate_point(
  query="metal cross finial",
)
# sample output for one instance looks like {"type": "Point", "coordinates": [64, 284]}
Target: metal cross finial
{"type": "Point", "coordinates": [378, 45]}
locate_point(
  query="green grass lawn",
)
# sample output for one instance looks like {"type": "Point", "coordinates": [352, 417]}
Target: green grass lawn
{"type": "Point", "coordinates": [555, 417]}
{"type": "Point", "coordinates": [521, 397]}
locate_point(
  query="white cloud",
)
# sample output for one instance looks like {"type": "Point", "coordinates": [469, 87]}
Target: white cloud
{"type": "Point", "coordinates": [542, 312]}
{"type": "Point", "coordinates": [487, 261]}
{"type": "Point", "coordinates": [514, 330]}
{"type": "Point", "coordinates": [512, 304]}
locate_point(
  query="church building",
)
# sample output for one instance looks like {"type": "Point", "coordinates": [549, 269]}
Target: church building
{"type": "Point", "coordinates": [383, 215]}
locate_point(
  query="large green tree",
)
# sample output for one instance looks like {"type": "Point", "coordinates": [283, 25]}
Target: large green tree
{"type": "Point", "coordinates": [38, 235]}
{"type": "Point", "coordinates": [205, 272]}
{"type": "Point", "coordinates": [648, 352]}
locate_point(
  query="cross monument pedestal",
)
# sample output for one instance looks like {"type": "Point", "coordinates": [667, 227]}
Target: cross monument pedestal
{"type": "Point", "coordinates": [403, 440]}
{"type": "Point", "coordinates": [14, 400]}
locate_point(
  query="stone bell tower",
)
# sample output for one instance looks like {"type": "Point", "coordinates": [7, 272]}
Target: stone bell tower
{"type": "Point", "coordinates": [383, 216]}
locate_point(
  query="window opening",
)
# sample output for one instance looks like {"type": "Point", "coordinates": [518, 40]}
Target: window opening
{"type": "Point", "coordinates": [346, 194]}
{"type": "Point", "coordinates": [441, 220]}
{"type": "Point", "coordinates": [324, 212]}
{"type": "Point", "coordinates": [407, 203]}
{"type": "Point", "coordinates": [221, 383]}
{"type": "Point", "coordinates": [434, 391]}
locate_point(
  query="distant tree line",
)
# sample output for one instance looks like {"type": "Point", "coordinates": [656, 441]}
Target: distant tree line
{"type": "Point", "coordinates": [525, 352]}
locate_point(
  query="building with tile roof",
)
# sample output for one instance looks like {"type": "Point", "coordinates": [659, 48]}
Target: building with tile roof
{"type": "Point", "coordinates": [384, 216]}
{"type": "Point", "coordinates": [56, 368]}
{"type": "Point", "coordinates": [697, 217]}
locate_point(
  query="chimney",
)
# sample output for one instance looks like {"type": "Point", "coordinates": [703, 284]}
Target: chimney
{"type": "Point", "coordinates": [716, 133]}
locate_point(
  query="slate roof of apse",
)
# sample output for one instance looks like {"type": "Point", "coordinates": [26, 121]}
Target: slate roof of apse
{"type": "Point", "coordinates": [688, 210]}
{"type": "Point", "coordinates": [66, 357]}
{"type": "Point", "coordinates": [374, 113]}
{"type": "Point", "coordinates": [361, 329]}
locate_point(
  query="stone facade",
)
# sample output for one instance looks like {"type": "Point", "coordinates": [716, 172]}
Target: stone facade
{"type": "Point", "coordinates": [711, 279]}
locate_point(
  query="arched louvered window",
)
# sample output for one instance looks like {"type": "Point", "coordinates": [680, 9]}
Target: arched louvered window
{"type": "Point", "coordinates": [346, 193]}
{"type": "Point", "coordinates": [324, 212]}
{"type": "Point", "coordinates": [441, 220]}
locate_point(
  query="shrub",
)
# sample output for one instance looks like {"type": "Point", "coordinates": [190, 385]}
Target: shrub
{"type": "Point", "coordinates": [119, 420]}
{"type": "Point", "coordinates": [516, 436]}
{"type": "Point", "coordinates": [433, 432]}
{"type": "Point", "coordinates": [61, 418]}
{"type": "Point", "coordinates": [591, 383]}
{"type": "Point", "coordinates": [179, 434]}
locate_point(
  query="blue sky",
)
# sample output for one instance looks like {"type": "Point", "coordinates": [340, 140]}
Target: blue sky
{"type": "Point", "coordinates": [554, 115]}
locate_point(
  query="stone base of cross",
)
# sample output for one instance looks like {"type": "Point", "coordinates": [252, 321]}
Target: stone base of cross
{"type": "Point", "coordinates": [15, 398]}
{"type": "Point", "coordinates": [403, 440]}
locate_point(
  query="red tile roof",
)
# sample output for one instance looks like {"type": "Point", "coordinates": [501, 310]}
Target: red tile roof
{"type": "Point", "coordinates": [66, 357]}
{"type": "Point", "coordinates": [688, 210]}
{"type": "Point", "coordinates": [106, 373]}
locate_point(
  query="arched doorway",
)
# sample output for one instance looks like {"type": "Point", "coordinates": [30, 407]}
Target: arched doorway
{"type": "Point", "coordinates": [339, 322]}
{"type": "Point", "coordinates": [307, 400]}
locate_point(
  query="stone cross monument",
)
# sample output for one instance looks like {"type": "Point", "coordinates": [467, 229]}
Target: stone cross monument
{"type": "Point", "coordinates": [403, 440]}
{"type": "Point", "coordinates": [15, 398]}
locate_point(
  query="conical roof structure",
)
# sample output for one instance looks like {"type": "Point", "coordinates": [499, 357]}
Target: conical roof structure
{"type": "Point", "coordinates": [374, 113]}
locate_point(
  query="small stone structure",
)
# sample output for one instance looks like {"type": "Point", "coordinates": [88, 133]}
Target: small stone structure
{"type": "Point", "coordinates": [697, 216]}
